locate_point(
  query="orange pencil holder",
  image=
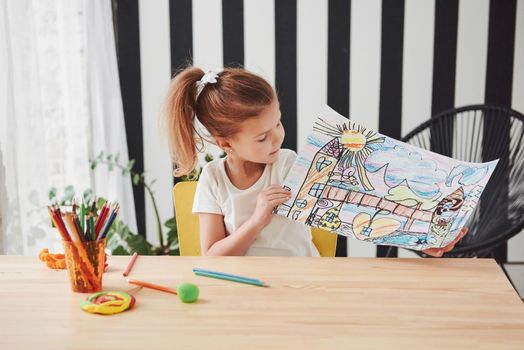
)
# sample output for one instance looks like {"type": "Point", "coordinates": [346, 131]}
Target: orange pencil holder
{"type": "Point", "coordinates": [85, 265]}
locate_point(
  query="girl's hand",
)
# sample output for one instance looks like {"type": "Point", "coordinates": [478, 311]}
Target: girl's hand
{"type": "Point", "coordinates": [438, 252]}
{"type": "Point", "coordinates": [267, 200]}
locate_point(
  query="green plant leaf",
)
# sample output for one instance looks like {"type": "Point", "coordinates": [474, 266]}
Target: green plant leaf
{"type": "Point", "coordinates": [100, 202]}
{"type": "Point", "coordinates": [120, 239]}
{"type": "Point", "coordinates": [175, 251]}
{"type": "Point", "coordinates": [138, 243]}
{"type": "Point", "coordinates": [171, 223]}
{"type": "Point", "coordinates": [116, 244]}
{"type": "Point", "coordinates": [109, 235]}
{"type": "Point", "coordinates": [88, 194]}
{"type": "Point", "coordinates": [193, 176]}
{"type": "Point", "coordinates": [119, 250]}
{"type": "Point", "coordinates": [172, 235]}
{"type": "Point", "coordinates": [69, 193]}
{"type": "Point", "coordinates": [135, 243]}
{"type": "Point", "coordinates": [136, 179]}
{"type": "Point", "coordinates": [52, 193]}
{"type": "Point", "coordinates": [120, 228]}
{"type": "Point", "coordinates": [174, 244]}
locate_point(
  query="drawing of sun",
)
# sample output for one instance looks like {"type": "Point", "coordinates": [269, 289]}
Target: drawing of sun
{"type": "Point", "coordinates": [356, 142]}
{"type": "Point", "coordinates": [353, 140]}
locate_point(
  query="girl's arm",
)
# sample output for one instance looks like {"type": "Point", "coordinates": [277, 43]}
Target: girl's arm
{"type": "Point", "coordinates": [213, 238]}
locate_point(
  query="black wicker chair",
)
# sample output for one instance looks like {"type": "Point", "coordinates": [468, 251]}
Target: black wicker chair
{"type": "Point", "coordinates": [482, 133]}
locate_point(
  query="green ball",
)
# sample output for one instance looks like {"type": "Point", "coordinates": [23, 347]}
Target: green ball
{"type": "Point", "coordinates": [187, 292]}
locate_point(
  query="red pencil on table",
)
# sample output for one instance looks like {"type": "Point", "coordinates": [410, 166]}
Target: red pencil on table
{"type": "Point", "coordinates": [130, 265]}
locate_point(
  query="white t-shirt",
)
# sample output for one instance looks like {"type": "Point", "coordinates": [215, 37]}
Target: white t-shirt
{"type": "Point", "coordinates": [217, 195]}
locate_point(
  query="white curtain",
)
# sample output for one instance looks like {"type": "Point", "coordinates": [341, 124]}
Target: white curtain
{"type": "Point", "coordinates": [60, 105]}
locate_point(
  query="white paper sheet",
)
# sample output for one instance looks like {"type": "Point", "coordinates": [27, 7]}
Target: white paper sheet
{"type": "Point", "coordinates": [358, 183]}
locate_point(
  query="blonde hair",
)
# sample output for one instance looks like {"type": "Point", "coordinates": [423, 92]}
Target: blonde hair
{"type": "Point", "coordinates": [220, 108]}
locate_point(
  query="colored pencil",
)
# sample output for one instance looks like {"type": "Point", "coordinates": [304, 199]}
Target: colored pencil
{"type": "Point", "coordinates": [81, 227]}
{"type": "Point", "coordinates": [82, 215]}
{"type": "Point", "coordinates": [231, 278]}
{"type": "Point", "coordinates": [108, 224]}
{"type": "Point", "coordinates": [152, 286]}
{"type": "Point", "coordinates": [74, 206]}
{"type": "Point", "coordinates": [77, 236]}
{"type": "Point", "coordinates": [100, 219]}
{"type": "Point", "coordinates": [58, 216]}
{"type": "Point", "coordinates": [92, 227]}
{"type": "Point", "coordinates": [105, 227]}
{"type": "Point", "coordinates": [104, 214]}
{"type": "Point", "coordinates": [196, 269]}
{"type": "Point", "coordinates": [93, 206]}
{"type": "Point", "coordinates": [87, 231]}
{"type": "Point", "coordinates": [63, 233]}
{"type": "Point", "coordinates": [130, 265]}
{"type": "Point", "coordinates": [77, 225]}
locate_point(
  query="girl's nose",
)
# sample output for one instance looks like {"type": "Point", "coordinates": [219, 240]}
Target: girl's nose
{"type": "Point", "coordinates": [276, 137]}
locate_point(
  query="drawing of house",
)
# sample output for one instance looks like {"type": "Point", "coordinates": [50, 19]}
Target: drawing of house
{"type": "Point", "coordinates": [322, 166]}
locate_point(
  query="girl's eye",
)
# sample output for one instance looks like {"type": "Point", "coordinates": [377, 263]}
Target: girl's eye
{"type": "Point", "coordinates": [263, 139]}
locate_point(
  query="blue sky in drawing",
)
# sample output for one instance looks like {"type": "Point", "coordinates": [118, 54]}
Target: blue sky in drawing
{"type": "Point", "coordinates": [421, 175]}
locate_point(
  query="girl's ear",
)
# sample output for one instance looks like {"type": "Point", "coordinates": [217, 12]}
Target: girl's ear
{"type": "Point", "coordinates": [223, 143]}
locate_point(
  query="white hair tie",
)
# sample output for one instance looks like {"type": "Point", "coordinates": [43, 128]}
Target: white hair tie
{"type": "Point", "coordinates": [210, 77]}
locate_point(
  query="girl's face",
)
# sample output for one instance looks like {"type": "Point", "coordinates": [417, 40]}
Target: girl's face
{"type": "Point", "coordinates": [260, 137]}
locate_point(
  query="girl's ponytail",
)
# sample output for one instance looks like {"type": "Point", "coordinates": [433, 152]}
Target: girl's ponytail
{"type": "Point", "coordinates": [180, 117]}
{"type": "Point", "coordinates": [237, 95]}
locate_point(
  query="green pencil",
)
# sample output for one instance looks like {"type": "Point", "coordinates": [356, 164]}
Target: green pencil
{"type": "Point", "coordinates": [92, 227]}
{"type": "Point", "coordinates": [82, 216]}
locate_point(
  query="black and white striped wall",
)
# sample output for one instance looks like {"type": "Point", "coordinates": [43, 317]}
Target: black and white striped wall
{"type": "Point", "coordinates": [388, 64]}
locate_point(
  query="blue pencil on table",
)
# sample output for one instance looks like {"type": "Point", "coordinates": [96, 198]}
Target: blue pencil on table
{"type": "Point", "coordinates": [225, 274]}
{"type": "Point", "coordinates": [228, 277]}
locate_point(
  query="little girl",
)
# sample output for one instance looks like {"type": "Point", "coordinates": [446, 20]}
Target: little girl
{"type": "Point", "coordinates": [236, 195]}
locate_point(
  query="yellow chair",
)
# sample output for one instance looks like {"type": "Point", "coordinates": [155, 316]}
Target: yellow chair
{"type": "Point", "coordinates": [189, 230]}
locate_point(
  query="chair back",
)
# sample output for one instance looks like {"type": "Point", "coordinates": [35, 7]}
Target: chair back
{"type": "Point", "coordinates": [187, 225]}
{"type": "Point", "coordinates": [481, 133]}
{"type": "Point", "coordinates": [189, 229]}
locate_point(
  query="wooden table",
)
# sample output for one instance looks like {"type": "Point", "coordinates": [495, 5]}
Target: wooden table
{"type": "Point", "coordinates": [311, 303]}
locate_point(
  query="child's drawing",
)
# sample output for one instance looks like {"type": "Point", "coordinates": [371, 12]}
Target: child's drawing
{"type": "Point", "coordinates": [359, 183]}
